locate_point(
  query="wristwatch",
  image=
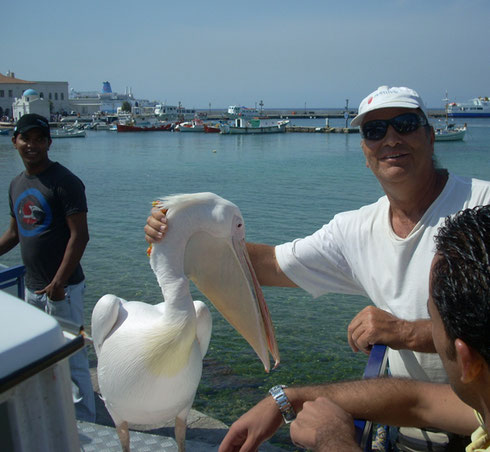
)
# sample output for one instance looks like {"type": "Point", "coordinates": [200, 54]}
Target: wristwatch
{"type": "Point", "coordinates": [283, 403]}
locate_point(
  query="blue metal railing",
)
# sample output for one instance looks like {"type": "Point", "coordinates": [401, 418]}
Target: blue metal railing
{"type": "Point", "coordinates": [375, 367]}
{"type": "Point", "coordinates": [12, 276]}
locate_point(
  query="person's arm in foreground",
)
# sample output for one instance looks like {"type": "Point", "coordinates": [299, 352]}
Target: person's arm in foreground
{"type": "Point", "coordinates": [376, 326]}
{"type": "Point", "coordinates": [263, 257]}
{"type": "Point", "coordinates": [79, 237]}
{"type": "Point", "coordinates": [386, 400]}
{"type": "Point", "coordinates": [10, 237]}
{"type": "Point", "coordinates": [324, 426]}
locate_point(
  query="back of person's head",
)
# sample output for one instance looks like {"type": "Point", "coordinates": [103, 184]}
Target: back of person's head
{"type": "Point", "coordinates": [461, 278]}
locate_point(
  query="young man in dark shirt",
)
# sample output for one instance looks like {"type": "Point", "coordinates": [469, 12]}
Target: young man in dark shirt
{"type": "Point", "coordinates": [48, 211]}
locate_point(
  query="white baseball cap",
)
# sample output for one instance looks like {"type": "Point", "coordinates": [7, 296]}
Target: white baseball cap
{"type": "Point", "coordinates": [386, 97]}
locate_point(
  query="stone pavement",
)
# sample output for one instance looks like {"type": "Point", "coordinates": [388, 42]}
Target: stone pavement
{"type": "Point", "coordinates": [204, 434]}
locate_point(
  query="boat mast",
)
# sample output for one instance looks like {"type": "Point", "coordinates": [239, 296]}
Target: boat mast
{"type": "Point", "coordinates": [446, 100]}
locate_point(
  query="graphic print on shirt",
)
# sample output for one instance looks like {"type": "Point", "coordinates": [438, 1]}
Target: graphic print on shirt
{"type": "Point", "coordinates": [32, 212]}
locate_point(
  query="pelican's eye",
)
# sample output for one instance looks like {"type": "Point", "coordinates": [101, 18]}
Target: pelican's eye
{"type": "Point", "coordinates": [239, 225]}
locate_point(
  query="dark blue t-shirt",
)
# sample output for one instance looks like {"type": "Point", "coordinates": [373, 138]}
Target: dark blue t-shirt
{"type": "Point", "coordinates": [40, 204]}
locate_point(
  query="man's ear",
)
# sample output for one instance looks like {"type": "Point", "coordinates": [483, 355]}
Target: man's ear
{"type": "Point", "coordinates": [469, 360]}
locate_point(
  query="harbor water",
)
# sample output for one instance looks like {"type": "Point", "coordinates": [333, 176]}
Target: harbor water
{"type": "Point", "coordinates": [286, 185]}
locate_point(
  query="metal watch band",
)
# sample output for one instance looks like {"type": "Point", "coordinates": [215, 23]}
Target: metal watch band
{"type": "Point", "coordinates": [283, 403]}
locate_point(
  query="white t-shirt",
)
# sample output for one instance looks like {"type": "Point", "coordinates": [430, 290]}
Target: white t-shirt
{"type": "Point", "coordinates": [358, 253]}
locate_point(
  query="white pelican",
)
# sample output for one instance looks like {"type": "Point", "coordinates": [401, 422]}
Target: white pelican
{"type": "Point", "coordinates": [150, 356]}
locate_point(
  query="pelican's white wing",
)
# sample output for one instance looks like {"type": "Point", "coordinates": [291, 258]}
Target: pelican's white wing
{"type": "Point", "coordinates": [104, 317]}
{"type": "Point", "coordinates": [204, 326]}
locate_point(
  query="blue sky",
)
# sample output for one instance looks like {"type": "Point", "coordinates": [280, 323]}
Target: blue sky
{"type": "Point", "coordinates": [286, 53]}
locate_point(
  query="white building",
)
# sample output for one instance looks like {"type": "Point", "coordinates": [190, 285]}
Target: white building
{"type": "Point", "coordinates": [30, 102]}
{"type": "Point", "coordinates": [11, 88]}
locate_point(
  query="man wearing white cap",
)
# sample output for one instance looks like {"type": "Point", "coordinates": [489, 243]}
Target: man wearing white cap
{"type": "Point", "coordinates": [382, 251]}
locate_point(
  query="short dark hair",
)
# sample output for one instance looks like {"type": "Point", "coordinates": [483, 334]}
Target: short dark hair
{"type": "Point", "coordinates": [461, 278]}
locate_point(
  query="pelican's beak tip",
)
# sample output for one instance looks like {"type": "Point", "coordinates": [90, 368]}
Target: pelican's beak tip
{"type": "Point", "coordinates": [267, 366]}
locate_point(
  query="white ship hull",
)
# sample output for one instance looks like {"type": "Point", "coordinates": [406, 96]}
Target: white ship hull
{"type": "Point", "coordinates": [475, 108]}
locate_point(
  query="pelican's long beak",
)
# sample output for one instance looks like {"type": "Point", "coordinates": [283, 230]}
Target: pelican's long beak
{"type": "Point", "coordinates": [228, 279]}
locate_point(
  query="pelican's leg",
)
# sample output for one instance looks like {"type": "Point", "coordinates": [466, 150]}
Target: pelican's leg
{"type": "Point", "coordinates": [123, 433]}
{"type": "Point", "coordinates": [180, 429]}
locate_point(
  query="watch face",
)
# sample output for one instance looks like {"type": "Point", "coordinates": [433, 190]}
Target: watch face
{"type": "Point", "coordinates": [289, 416]}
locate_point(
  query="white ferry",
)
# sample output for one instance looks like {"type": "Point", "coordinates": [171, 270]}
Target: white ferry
{"type": "Point", "coordinates": [174, 113]}
{"type": "Point", "coordinates": [479, 107]}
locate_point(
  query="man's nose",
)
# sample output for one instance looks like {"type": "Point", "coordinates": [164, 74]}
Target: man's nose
{"type": "Point", "coordinates": [392, 136]}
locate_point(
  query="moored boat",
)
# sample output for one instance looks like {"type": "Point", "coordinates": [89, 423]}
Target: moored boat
{"type": "Point", "coordinates": [99, 125]}
{"type": "Point", "coordinates": [196, 125]}
{"type": "Point", "coordinates": [68, 133]}
{"type": "Point", "coordinates": [211, 128]}
{"type": "Point", "coordinates": [450, 132]}
{"type": "Point", "coordinates": [144, 128]}
{"type": "Point", "coordinates": [134, 123]}
{"type": "Point", "coordinates": [254, 126]}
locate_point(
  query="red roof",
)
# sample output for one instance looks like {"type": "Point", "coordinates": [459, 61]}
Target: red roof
{"type": "Point", "coordinates": [5, 79]}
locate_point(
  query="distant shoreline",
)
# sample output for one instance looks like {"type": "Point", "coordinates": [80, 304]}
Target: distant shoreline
{"type": "Point", "coordinates": [222, 114]}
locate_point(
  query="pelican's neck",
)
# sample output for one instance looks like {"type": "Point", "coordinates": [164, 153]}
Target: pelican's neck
{"type": "Point", "coordinates": [177, 293]}
{"type": "Point", "coordinates": [167, 261]}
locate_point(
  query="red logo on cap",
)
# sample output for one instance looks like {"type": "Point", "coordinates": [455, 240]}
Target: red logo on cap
{"type": "Point", "coordinates": [370, 100]}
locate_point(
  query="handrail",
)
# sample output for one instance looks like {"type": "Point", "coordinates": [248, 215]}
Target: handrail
{"type": "Point", "coordinates": [375, 367]}
{"type": "Point", "coordinates": [13, 276]}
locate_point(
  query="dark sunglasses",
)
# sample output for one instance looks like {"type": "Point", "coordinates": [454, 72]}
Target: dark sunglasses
{"type": "Point", "coordinates": [404, 124]}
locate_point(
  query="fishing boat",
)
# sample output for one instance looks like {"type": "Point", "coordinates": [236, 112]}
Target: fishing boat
{"type": "Point", "coordinates": [449, 131]}
{"type": "Point", "coordinates": [208, 128]}
{"type": "Point", "coordinates": [254, 126]}
{"type": "Point", "coordinates": [479, 107]}
{"type": "Point", "coordinates": [99, 125]}
{"type": "Point", "coordinates": [135, 123]}
{"type": "Point", "coordinates": [143, 128]}
{"type": "Point", "coordinates": [68, 132]}
{"type": "Point", "coordinates": [196, 125]}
